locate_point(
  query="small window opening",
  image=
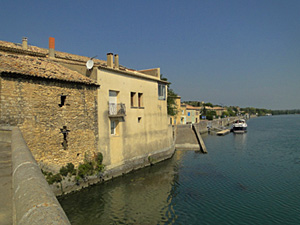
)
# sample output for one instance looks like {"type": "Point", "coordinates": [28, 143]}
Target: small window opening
{"type": "Point", "coordinates": [114, 127]}
{"type": "Point", "coordinates": [65, 132]}
{"type": "Point", "coordinates": [140, 100]}
{"type": "Point", "coordinates": [133, 99]}
{"type": "Point", "coordinates": [139, 119]}
{"type": "Point", "coordinates": [62, 100]}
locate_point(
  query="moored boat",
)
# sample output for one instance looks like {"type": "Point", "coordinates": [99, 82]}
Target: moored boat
{"type": "Point", "coordinates": [239, 126]}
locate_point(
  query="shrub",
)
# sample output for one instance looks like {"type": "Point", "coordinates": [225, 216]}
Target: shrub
{"type": "Point", "coordinates": [71, 168]}
{"type": "Point", "coordinates": [51, 179]}
{"type": "Point", "coordinates": [63, 171]}
{"type": "Point", "coordinates": [100, 168]}
{"type": "Point", "coordinates": [85, 169]}
{"type": "Point", "coordinates": [209, 117]}
{"type": "Point", "coordinates": [99, 158]}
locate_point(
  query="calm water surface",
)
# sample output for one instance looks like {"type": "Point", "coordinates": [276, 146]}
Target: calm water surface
{"type": "Point", "coordinates": [252, 178]}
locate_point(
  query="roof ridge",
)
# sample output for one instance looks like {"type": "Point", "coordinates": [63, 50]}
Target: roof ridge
{"type": "Point", "coordinates": [43, 52]}
{"type": "Point", "coordinates": [40, 67]}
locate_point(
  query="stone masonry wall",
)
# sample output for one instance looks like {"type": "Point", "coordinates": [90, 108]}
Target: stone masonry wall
{"type": "Point", "coordinates": [36, 106]}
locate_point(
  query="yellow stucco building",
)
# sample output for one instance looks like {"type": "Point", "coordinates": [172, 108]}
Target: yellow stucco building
{"type": "Point", "coordinates": [176, 119]}
{"type": "Point", "coordinates": [132, 116]}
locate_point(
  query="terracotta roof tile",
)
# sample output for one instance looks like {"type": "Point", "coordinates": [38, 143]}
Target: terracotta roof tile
{"type": "Point", "coordinates": [9, 46]}
{"type": "Point", "coordinates": [39, 67]}
{"type": "Point", "coordinates": [42, 52]}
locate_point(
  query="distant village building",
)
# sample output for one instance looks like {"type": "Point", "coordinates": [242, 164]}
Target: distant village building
{"type": "Point", "coordinates": [183, 113]}
{"type": "Point", "coordinates": [70, 106]}
{"type": "Point", "coordinates": [176, 119]}
{"type": "Point", "coordinates": [193, 114]}
{"type": "Point", "coordinates": [219, 110]}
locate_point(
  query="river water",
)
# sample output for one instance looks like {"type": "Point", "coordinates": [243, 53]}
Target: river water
{"type": "Point", "coordinates": [251, 178]}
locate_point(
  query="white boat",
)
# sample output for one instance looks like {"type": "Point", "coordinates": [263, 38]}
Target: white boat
{"type": "Point", "coordinates": [239, 126]}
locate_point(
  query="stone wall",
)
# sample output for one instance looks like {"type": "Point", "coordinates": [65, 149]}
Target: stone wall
{"type": "Point", "coordinates": [33, 200]}
{"type": "Point", "coordinates": [203, 125]}
{"type": "Point", "coordinates": [44, 109]}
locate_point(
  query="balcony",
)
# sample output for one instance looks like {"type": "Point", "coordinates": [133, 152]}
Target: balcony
{"type": "Point", "coordinates": [116, 110]}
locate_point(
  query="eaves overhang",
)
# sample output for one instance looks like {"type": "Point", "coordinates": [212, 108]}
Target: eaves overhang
{"type": "Point", "coordinates": [133, 74]}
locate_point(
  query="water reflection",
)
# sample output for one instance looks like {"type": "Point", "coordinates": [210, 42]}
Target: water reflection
{"type": "Point", "coordinates": [142, 197]}
{"type": "Point", "coordinates": [251, 178]}
{"type": "Point", "coordinates": [240, 141]}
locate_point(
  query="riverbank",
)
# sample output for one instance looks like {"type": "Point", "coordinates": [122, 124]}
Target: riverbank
{"type": "Point", "coordinates": [251, 178]}
{"type": "Point", "coordinates": [184, 138]}
{"type": "Point", "coordinates": [71, 184]}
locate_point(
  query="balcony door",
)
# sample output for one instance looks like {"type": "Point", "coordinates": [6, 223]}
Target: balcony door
{"type": "Point", "coordinates": [113, 102]}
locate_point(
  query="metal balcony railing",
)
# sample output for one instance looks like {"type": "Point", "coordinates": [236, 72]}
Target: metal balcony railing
{"type": "Point", "coordinates": [116, 109]}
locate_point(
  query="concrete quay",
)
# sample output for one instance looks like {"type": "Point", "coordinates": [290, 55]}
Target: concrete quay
{"type": "Point", "coordinates": [186, 138]}
{"type": "Point", "coordinates": [189, 135]}
{"type": "Point", "coordinates": [223, 132]}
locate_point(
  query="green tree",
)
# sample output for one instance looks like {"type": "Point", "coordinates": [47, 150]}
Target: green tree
{"type": "Point", "coordinates": [231, 112]}
{"type": "Point", "coordinates": [209, 104]}
{"type": "Point", "coordinates": [225, 114]}
{"type": "Point", "coordinates": [171, 100]}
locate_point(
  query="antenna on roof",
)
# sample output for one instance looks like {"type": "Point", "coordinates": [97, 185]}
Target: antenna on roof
{"type": "Point", "coordinates": [90, 63]}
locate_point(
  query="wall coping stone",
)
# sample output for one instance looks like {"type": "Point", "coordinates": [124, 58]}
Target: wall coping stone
{"type": "Point", "coordinates": [33, 200]}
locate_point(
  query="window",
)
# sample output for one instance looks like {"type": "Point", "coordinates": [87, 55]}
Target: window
{"type": "Point", "coordinates": [113, 127]}
{"type": "Point", "coordinates": [161, 91]}
{"type": "Point", "coordinates": [140, 100]}
{"type": "Point", "coordinates": [139, 119]}
{"type": "Point", "coordinates": [133, 99]}
{"type": "Point", "coordinates": [113, 100]}
{"type": "Point", "coordinates": [113, 96]}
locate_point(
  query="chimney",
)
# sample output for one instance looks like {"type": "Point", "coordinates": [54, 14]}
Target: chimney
{"type": "Point", "coordinates": [109, 60]}
{"type": "Point", "coordinates": [51, 47]}
{"type": "Point", "coordinates": [24, 43]}
{"type": "Point", "coordinates": [116, 61]}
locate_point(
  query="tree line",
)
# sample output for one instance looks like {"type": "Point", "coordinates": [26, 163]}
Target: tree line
{"type": "Point", "coordinates": [231, 110]}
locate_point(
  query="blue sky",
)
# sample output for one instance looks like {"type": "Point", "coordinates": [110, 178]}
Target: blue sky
{"type": "Point", "coordinates": [234, 52]}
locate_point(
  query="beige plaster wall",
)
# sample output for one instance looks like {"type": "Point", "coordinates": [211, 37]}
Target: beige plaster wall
{"type": "Point", "coordinates": [135, 138]}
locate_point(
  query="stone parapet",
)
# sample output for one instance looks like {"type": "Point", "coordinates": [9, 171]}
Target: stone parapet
{"type": "Point", "coordinates": [33, 200]}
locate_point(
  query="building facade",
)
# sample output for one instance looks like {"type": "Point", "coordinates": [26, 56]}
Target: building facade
{"type": "Point", "coordinates": [68, 110]}
{"type": "Point", "coordinates": [132, 116]}
{"type": "Point", "coordinates": [55, 108]}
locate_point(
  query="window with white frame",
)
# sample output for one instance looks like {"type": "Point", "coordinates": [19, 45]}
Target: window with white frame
{"type": "Point", "coordinates": [161, 91]}
{"type": "Point", "coordinates": [113, 127]}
